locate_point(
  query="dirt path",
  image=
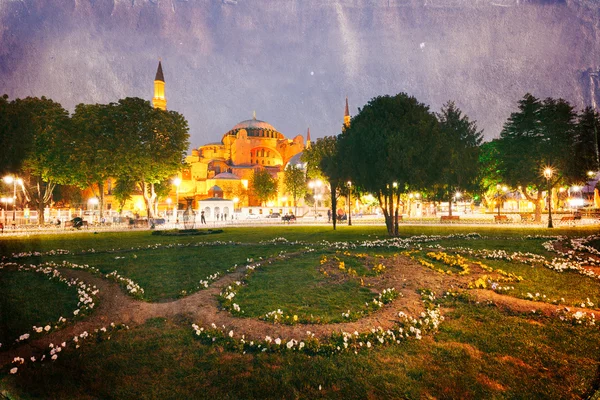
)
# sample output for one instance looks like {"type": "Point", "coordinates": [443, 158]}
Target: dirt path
{"type": "Point", "coordinates": [405, 275]}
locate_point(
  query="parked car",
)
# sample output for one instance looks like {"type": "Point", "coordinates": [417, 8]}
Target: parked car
{"type": "Point", "coordinates": [274, 215]}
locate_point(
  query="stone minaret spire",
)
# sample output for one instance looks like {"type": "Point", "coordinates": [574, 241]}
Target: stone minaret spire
{"type": "Point", "coordinates": [308, 139]}
{"type": "Point", "coordinates": [346, 115]}
{"type": "Point", "coordinates": [159, 100]}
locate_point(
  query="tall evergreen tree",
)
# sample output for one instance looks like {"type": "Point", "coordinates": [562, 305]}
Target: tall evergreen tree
{"type": "Point", "coordinates": [459, 164]}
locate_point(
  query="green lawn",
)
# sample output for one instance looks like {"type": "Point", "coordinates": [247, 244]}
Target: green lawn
{"type": "Point", "coordinates": [297, 287]}
{"type": "Point", "coordinates": [480, 350]}
{"type": "Point", "coordinates": [167, 273]}
{"type": "Point", "coordinates": [30, 298]}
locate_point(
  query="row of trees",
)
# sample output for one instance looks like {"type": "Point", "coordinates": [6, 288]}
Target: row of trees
{"type": "Point", "coordinates": [139, 146]}
{"type": "Point", "coordinates": [396, 145]}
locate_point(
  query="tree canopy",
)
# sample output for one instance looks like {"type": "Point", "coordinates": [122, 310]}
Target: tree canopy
{"type": "Point", "coordinates": [546, 134]}
{"type": "Point", "coordinates": [263, 185]}
{"type": "Point", "coordinates": [459, 164]}
{"type": "Point", "coordinates": [294, 180]}
{"type": "Point", "coordinates": [391, 147]}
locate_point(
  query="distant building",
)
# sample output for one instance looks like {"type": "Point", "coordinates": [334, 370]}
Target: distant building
{"type": "Point", "coordinates": [229, 164]}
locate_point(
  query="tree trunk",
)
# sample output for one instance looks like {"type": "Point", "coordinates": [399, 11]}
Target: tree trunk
{"type": "Point", "coordinates": [333, 206]}
{"type": "Point", "coordinates": [101, 199]}
{"type": "Point", "coordinates": [40, 203]}
{"type": "Point", "coordinates": [396, 214]}
{"type": "Point", "coordinates": [387, 212]}
{"type": "Point", "coordinates": [449, 204]}
{"type": "Point", "coordinates": [537, 201]}
{"type": "Point", "coordinates": [149, 198]}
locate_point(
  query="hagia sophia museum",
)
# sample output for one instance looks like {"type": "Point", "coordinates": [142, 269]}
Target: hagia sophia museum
{"type": "Point", "coordinates": [217, 176]}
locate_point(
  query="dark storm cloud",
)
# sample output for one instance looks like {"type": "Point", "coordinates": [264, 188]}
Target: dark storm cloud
{"type": "Point", "coordinates": [294, 61]}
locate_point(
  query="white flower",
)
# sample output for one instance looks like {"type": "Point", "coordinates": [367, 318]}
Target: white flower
{"type": "Point", "coordinates": [368, 344]}
{"type": "Point", "coordinates": [14, 370]}
{"type": "Point", "coordinates": [290, 344]}
{"type": "Point", "coordinates": [278, 341]}
{"type": "Point", "coordinates": [47, 328]}
{"type": "Point", "coordinates": [230, 333]}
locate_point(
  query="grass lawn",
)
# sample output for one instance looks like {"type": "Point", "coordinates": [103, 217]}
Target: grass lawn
{"type": "Point", "coordinates": [172, 272]}
{"type": "Point", "coordinates": [30, 298]}
{"type": "Point", "coordinates": [298, 287]}
{"type": "Point", "coordinates": [479, 351]}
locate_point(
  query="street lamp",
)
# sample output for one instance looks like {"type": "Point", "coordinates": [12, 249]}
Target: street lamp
{"type": "Point", "coordinates": [14, 180]}
{"type": "Point", "coordinates": [169, 201]}
{"type": "Point", "coordinates": [176, 182]}
{"type": "Point", "coordinates": [349, 203]}
{"type": "Point", "coordinates": [548, 172]}
{"type": "Point", "coordinates": [93, 202]}
{"type": "Point", "coordinates": [6, 201]}
{"type": "Point", "coordinates": [314, 185]}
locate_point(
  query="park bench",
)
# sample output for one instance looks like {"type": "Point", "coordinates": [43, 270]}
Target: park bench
{"type": "Point", "coordinates": [502, 219]}
{"type": "Point", "coordinates": [449, 218]}
{"type": "Point", "coordinates": [570, 219]}
{"type": "Point", "coordinates": [527, 218]}
{"type": "Point", "coordinates": [69, 224]}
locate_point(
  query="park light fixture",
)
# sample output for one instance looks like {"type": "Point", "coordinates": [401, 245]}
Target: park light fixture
{"type": "Point", "coordinates": [8, 179]}
{"type": "Point", "coordinates": [548, 172]}
{"type": "Point", "coordinates": [314, 185]}
{"type": "Point", "coordinates": [349, 203]}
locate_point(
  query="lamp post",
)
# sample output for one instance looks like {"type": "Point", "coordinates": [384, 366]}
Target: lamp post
{"type": "Point", "coordinates": [349, 203]}
{"type": "Point", "coordinates": [5, 201]}
{"type": "Point", "coordinates": [548, 172]}
{"type": "Point", "coordinates": [169, 201]}
{"type": "Point", "coordinates": [14, 180]}
{"type": "Point", "coordinates": [314, 185]}
{"type": "Point", "coordinates": [176, 182]}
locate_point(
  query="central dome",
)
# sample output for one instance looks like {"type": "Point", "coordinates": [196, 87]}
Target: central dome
{"type": "Point", "coordinates": [254, 124]}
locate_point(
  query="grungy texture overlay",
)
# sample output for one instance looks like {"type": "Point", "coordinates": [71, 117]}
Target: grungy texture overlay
{"type": "Point", "coordinates": [294, 61]}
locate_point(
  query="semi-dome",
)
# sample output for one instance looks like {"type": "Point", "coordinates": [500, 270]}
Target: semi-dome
{"type": "Point", "coordinates": [297, 160]}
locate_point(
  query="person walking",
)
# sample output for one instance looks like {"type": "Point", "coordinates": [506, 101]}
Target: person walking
{"type": "Point", "coordinates": [328, 215]}
{"type": "Point", "coordinates": [202, 219]}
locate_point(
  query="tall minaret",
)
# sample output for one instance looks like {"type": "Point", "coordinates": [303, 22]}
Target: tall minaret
{"type": "Point", "coordinates": [308, 139]}
{"type": "Point", "coordinates": [159, 100]}
{"type": "Point", "coordinates": [346, 116]}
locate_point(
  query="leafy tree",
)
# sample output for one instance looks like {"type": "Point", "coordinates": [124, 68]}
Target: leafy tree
{"type": "Point", "coordinates": [94, 153]}
{"type": "Point", "coordinates": [122, 192]}
{"type": "Point", "coordinates": [323, 162]}
{"type": "Point", "coordinates": [459, 160]}
{"type": "Point", "coordinates": [489, 174]}
{"type": "Point", "coordinates": [40, 129]}
{"type": "Point", "coordinates": [540, 134]}
{"type": "Point", "coordinates": [294, 181]}
{"type": "Point", "coordinates": [152, 143]}
{"type": "Point", "coordinates": [263, 185]}
{"type": "Point", "coordinates": [392, 147]}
